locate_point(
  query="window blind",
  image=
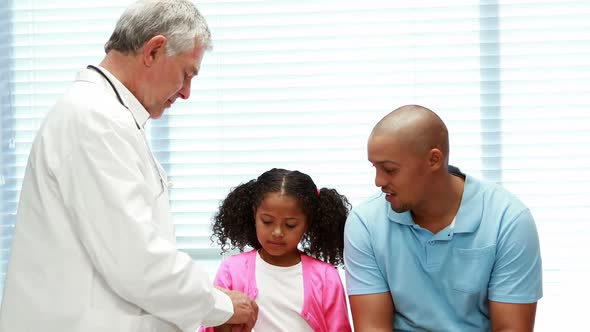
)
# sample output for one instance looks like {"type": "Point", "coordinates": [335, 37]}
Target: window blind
{"type": "Point", "coordinates": [300, 84]}
{"type": "Point", "coordinates": [545, 134]}
{"type": "Point", "coordinates": [7, 201]}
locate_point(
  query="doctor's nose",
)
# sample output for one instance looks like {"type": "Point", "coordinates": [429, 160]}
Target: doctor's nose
{"type": "Point", "coordinates": [185, 91]}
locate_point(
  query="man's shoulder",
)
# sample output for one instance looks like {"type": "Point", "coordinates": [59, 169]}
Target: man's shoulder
{"type": "Point", "coordinates": [372, 203]}
{"type": "Point", "coordinates": [494, 203]}
{"type": "Point", "coordinates": [371, 212]}
{"type": "Point", "coordinates": [497, 195]}
{"type": "Point", "coordinates": [375, 219]}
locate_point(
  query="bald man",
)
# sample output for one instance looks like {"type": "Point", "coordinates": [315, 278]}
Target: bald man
{"type": "Point", "coordinates": [437, 250]}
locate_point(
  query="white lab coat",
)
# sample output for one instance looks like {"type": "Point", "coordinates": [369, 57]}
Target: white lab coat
{"type": "Point", "coordinates": [94, 246]}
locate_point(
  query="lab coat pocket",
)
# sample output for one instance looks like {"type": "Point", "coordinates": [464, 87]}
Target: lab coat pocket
{"type": "Point", "coordinates": [471, 269]}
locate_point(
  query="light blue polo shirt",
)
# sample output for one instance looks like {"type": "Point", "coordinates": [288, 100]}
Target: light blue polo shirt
{"type": "Point", "coordinates": [443, 282]}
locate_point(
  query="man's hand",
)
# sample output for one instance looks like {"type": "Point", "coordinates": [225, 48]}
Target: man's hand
{"type": "Point", "coordinates": [245, 311]}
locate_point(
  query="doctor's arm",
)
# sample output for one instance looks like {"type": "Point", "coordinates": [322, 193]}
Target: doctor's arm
{"type": "Point", "coordinates": [113, 203]}
{"type": "Point", "coordinates": [224, 282]}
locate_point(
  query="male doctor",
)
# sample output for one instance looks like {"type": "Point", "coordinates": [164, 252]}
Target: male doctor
{"type": "Point", "coordinates": [94, 247]}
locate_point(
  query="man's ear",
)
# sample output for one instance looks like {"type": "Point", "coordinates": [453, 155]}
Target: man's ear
{"type": "Point", "coordinates": [435, 159]}
{"type": "Point", "coordinates": [154, 49]}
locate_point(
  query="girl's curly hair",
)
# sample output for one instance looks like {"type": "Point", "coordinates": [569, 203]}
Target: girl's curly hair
{"type": "Point", "coordinates": [326, 211]}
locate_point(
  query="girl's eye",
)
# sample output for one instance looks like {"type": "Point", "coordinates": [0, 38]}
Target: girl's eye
{"type": "Point", "coordinates": [266, 222]}
{"type": "Point", "coordinates": [291, 226]}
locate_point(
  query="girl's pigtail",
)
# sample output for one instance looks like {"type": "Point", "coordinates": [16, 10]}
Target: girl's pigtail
{"type": "Point", "coordinates": [233, 224]}
{"type": "Point", "coordinates": [326, 233]}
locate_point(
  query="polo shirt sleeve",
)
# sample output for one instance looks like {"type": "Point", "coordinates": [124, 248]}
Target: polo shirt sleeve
{"type": "Point", "coordinates": [363, 275]}
{"type": "Point", "coordinates": [517, 273]}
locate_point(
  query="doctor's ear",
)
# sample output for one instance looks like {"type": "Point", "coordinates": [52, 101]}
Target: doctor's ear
{"type": "Point", "coordinates": [153, 49]}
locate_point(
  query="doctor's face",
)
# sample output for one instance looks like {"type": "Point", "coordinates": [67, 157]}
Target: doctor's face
{"type": "Point", "coordinates": [172, 80]}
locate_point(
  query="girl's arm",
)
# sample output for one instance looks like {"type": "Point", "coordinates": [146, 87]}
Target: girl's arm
{"type": "Point", "coordinates": [335, 308]}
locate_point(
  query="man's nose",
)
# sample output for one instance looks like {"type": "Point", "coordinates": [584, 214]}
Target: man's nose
{"type": "Point", "coordinates": [185, 91]}
{"type": "Point", "coordinates": [380, 180]}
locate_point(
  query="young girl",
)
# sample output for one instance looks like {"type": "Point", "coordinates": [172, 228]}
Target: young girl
{"type": "Point", "coordinates": [296, 231]}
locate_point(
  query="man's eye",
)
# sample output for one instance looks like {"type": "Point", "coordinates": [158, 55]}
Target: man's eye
{"type": "Point", "coordinates": [390, 171]}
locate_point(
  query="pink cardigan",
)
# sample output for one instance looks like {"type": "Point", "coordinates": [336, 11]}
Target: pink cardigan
{"type": "Point", "coordinates": [324, 301]}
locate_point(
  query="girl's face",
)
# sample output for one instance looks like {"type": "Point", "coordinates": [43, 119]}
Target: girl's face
{"type": "Point", "coordinates": [280, 225]}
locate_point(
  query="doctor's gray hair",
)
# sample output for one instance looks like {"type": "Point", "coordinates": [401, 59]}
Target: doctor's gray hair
{"type": "Point", "coordinates": [177, 20]}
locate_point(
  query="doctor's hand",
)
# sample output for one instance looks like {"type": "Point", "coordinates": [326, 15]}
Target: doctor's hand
{"type": "Point", "coordinates": [245, 311]}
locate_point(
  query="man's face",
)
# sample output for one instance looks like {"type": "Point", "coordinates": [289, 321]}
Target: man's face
{"type": "Point", "coordinates": [171, 79]}
{"type": "Point", "coordinates": [401, 173]}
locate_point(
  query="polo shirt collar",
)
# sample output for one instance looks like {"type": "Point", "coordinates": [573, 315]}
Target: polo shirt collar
{"type": "Point", "coordinates": [468, 217]}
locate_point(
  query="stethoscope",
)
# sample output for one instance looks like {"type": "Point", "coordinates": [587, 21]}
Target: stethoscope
{"type": "Point", "coordinates": [162, 181]}
{"type": "Point", "coordinates": [96, 69]}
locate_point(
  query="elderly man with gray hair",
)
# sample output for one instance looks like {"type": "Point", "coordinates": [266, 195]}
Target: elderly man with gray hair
{"type": "Point", "coordinates": [94, 246]}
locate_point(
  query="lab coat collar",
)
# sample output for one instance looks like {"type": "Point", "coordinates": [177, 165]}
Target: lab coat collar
{"type": "Point", "coordinates": [139, 113]}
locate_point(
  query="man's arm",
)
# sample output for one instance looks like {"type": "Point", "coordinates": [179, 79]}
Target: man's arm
{"type": "Point", "coordinates": [516, 282]}
{"type": "Point", "coordinates": [512, 317]}
{"type": "Point", "coordinates": [370, 300]}
{"type": "Point", "coordinates": [372, 312]}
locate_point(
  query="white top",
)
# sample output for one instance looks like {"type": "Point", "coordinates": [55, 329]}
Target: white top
{"type": "Point", "coordinates": [280, 298]}
{"type": "Point", "coordinates": [94, 246]}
